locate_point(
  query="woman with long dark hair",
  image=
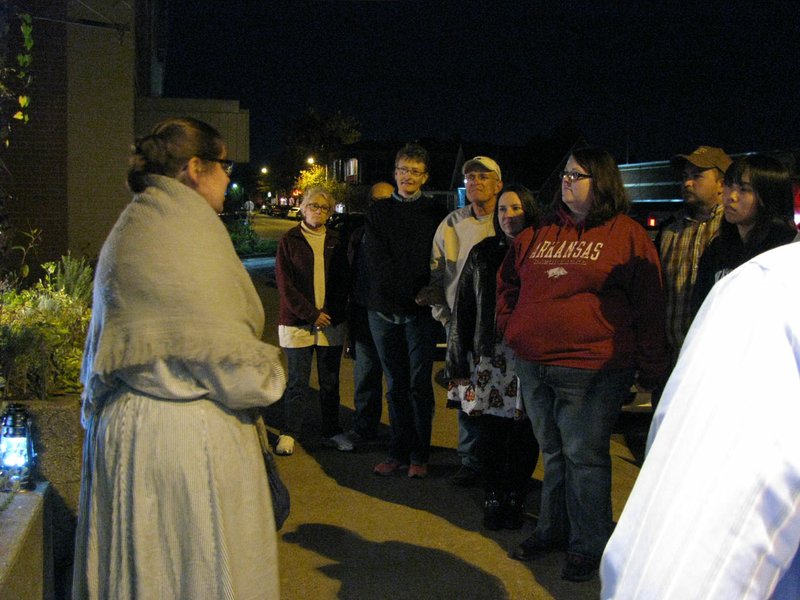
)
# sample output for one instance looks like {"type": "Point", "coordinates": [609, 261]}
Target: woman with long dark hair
{"type": "Point", "coordinates": [759, 210]}
{"type": "Point", "coordinates": [480, 366]}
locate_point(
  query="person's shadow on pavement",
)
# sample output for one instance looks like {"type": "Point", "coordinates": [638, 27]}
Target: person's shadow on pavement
{"type": "Point", "coordinates": [363, 567]}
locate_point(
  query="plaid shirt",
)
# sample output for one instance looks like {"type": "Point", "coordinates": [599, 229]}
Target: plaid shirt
{"type": "Point", "coordinates": [680, 246]}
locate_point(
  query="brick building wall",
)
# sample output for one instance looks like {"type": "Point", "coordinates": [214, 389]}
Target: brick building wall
{"type": "Point", "coordinates": [67, 165]}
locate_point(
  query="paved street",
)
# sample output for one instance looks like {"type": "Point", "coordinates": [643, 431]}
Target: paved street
{"type": "Point", "coordinates": [352, 535]}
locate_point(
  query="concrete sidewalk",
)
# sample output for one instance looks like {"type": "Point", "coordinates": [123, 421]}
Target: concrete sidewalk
{"type": "Point", "coordinates": [356, 536]}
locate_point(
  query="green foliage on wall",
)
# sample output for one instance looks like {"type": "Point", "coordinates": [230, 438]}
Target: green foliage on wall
{"type": "Point", "coordinates": [16, 58]}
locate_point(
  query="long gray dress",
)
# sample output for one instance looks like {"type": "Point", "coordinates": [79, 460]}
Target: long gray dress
{"type": "Point", "coordinates": [174, 496]}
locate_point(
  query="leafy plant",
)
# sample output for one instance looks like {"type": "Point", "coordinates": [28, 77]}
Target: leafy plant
{"type": "Point", "coordinates": [247, 243]}
{"type": "Point", "coordinates": [9, 277]}
{"type": "Point", "coordinates": [42, 331]}
{"type": "Point", "coordinates": [74, 276]}
{"type": "Point", "coordinates": [16, 77]}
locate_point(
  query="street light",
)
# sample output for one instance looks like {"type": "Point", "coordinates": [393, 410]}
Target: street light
{"type": "Point", "coordinates": [310, 160]}
{"type": "Point", "coordinates": [264, 170]}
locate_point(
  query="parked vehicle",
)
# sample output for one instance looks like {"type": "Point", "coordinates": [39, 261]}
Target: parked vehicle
{"type": "Point", "coordinates": [294, 213]}
{"type": "Point", "coordinates": [276, 210]}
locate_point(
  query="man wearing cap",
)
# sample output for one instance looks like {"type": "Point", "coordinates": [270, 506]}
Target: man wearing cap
{"type": "Point", "coordinates": [455, 237]}
{"type": "Point", "coordinates": [682, 241]}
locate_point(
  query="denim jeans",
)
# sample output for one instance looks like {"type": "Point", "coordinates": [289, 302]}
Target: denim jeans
{"type": "Point", "coordinates": [573, 412]}
{"type": "Point", "coordinates": [329, 359]}
{"type": "Point", "coordinates": [367, 376]}
{"type": "Point", "coordinates": [469, 433]}
{"type": "Point", "coordinates": [405, 345]}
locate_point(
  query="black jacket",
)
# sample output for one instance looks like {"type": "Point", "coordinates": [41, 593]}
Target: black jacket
{"type": "Point", "coordinates": [727, 252]}
{"type": "Point", "coordinates": [399, 241]}
{"type": "Point", "coordinates": [472, 321]}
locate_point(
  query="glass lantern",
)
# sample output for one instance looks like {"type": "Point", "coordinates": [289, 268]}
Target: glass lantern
{"type": "Point", "coordinates": [17, 454]}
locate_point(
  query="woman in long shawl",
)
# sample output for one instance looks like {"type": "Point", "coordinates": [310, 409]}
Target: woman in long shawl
{"type": "Point", "coordinates": [174, 495]}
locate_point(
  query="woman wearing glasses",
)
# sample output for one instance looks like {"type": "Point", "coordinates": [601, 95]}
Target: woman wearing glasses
{"type": "Point", "coordinates": [311, 271]}
{"type": "Point", "coordinates": [174, 498]}
{"type": "Point", "coordinates": [580, 302]}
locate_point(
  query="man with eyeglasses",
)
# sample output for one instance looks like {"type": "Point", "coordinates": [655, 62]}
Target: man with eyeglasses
{"type": "Point", "coordinates": [455, 237]}
{"type": "Point", "coordinates": [682, 241]}
{"type": "Point", "coordinates": [399, 234]}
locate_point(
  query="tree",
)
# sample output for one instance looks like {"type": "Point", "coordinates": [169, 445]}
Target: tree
{"type": "Point", "coordinates": [314, 175]}
{"type": "Point", "coordinates": [320, 135]}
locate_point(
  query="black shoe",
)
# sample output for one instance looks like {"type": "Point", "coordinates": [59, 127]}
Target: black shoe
{"type": "Point", "coordinates": [493, 513]}
{"type": "Point", "coordinates": [530, 549]}
{"type": "Point", "coordinates": [579, 567]}
{"type": "Point", "coordinates": [514, 509]}
{"type": "Point", "coordinates": [465, 476]}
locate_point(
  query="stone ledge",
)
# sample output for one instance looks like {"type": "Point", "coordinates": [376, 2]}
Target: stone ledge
{"type": "Point", "coordinates": [26, 564]}
{"type": "Point", "coordinates": [58, 436]}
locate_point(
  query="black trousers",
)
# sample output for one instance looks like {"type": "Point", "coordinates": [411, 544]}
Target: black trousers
{"type": "Point", "coordinates": [509, 452]}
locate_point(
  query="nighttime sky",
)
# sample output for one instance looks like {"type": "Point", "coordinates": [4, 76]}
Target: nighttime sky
{"type": "Point", "coordinates": [643, 79]}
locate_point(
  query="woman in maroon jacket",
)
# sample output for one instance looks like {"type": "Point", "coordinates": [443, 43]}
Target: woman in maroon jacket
{"type": "Point", "coordinates": [580, 302]}
{"type": "Point", "coordinates": [311, 271]}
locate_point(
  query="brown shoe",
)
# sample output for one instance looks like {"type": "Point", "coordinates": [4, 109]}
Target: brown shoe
{"type": "Point", "coordinates": [388, 467]}
{"type": "Point", "coordinates": [418, 471]}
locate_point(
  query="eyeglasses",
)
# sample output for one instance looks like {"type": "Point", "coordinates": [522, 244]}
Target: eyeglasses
{"type": "Point", "coordinates": [227, 165]}
{"type": "Point", "coordinates": [407, 171]}
{"type": "Point", "coordinates": [319, 208]}
{"type": "Point", "coordinates": [481, 177]}
{"type": "Point", "coordinates": [573, 176]}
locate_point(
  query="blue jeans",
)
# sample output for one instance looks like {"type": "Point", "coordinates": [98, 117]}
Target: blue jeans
{"type": "Point", "coordinates": [573, 412]}
{"type": "Point", "coordinates": [329, 359]}
{"type": "Point", "coordinates": [405, 345]}
{"type": "Point", "coordinates": [367, 375]}
{"type": "Point", "coordinates": [469, 434]}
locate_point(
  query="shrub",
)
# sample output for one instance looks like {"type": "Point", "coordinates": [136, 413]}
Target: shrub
{"type": "Point", "coordinates": [42, 331]}
{"type": "Point", "coordinates": [247, 243]}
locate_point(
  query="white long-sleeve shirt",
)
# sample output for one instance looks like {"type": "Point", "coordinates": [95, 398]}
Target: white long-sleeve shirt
{"type": "Point", "coordinates": [715, 512]}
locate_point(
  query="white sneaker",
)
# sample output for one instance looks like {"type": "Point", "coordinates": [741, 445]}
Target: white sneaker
{"type": "Point", "coordinates": [340, 441]}
{"type": "Point", "coordinates": [285, 445]}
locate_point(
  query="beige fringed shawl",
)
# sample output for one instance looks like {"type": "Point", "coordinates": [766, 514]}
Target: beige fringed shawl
{"type": "Point", "coordinates": [169, 289]}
